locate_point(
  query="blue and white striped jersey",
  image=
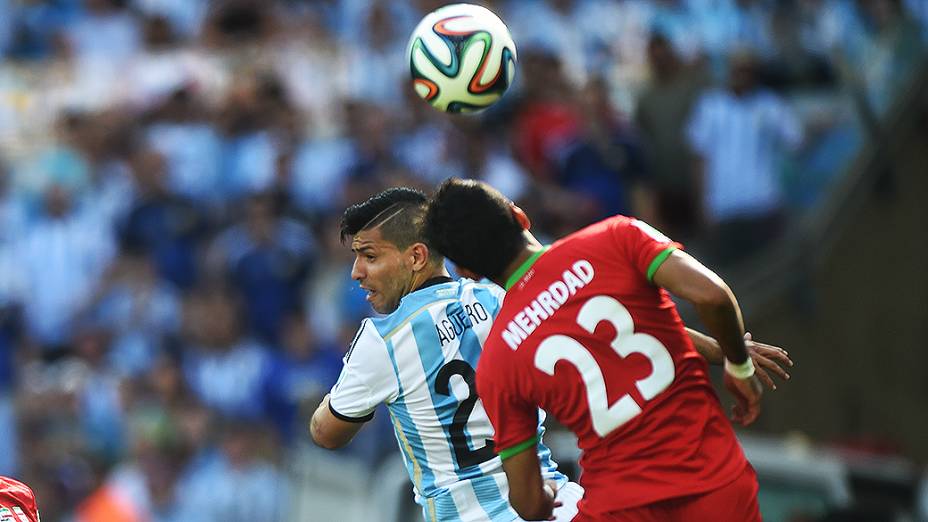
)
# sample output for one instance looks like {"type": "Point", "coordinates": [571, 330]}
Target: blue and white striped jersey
{"type": "Point", "coordinates": [420, 361]}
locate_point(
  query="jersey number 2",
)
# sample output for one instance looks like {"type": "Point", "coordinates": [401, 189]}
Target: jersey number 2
{"type": "Point", "coordinates": [607, 417]}
{"type": "Point", "coordinates": [465, 456]}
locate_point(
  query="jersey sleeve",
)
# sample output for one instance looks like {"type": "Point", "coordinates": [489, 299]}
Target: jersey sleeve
{"type": "Point", "coordinates": [513, 416]}
{"type": "Point", "coordinates": [367, 378]}
{"type": "Point", "coordinates": [643, 245]}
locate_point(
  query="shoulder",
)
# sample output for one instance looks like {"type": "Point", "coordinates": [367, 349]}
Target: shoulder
{"type": "Point", "coordinates": [415, 304]}
{"type": "Point", "coordinates": [367, 336]}
{"type": "Point", "coordinates": [482, 289]}
{"type": "Point", "coordinates": [626, 226]}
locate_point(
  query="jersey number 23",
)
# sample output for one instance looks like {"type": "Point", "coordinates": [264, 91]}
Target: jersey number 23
{"type": "Point", "coordinates": [607, 417]}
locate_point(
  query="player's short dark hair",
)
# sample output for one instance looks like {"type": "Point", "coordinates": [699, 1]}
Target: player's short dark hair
{"type": "Point", "coordinates": [471, 223]}
{"type": "Point", "coordinates": [398, 212]}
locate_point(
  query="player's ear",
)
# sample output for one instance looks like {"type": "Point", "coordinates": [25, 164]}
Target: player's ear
{"type": "Point", "coordinates": [520, 216]}
{"type": "Point", "coordinates": [419, 255]}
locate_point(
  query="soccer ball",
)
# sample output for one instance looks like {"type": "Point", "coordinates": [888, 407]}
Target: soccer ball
{"type": "Point", "coordinates": [462, 58]}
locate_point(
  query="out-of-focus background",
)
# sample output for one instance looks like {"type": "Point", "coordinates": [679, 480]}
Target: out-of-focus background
{"type": "Point", "coordinates": [174, 299]}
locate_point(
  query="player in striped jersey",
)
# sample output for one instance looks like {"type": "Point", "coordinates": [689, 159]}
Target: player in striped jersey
{"type": "Point", "coordinates": [420, 359]}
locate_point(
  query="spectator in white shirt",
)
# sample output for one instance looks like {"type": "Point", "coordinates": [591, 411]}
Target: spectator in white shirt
{"type": "Point", "coordinates": [738, 135]}
{"type": "Point", "coordinates": [60, 261]}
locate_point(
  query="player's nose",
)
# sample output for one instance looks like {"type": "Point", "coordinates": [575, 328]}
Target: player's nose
{"type": "Point", "coordinates": [357, 272]}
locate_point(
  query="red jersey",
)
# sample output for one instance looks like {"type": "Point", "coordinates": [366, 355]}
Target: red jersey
{"type": "Point", "coordinates": [17, 502]}
{"type": "Point", "coordinates": [584, 335]}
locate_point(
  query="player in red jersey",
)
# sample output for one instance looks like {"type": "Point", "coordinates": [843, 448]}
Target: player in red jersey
{"type": "Point", "coordinates": [588, 333]}
{"type": "Point", "coordinates": [17, 502]}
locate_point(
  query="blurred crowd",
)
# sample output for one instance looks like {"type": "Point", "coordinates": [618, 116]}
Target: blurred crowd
{"type": "Point", "coordinates": [174, 299]}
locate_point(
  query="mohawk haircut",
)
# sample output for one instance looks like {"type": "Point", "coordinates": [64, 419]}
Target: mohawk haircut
{"type": "Point", "coordinates": [471, 224]}
{"type": "Point", "coordinates": [398, 212]}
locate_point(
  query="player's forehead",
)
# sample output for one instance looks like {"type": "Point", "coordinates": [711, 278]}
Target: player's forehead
{"type": "Point", "coordinates": [370, 239]}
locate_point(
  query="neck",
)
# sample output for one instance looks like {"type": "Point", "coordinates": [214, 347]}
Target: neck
{"type": "Point", "coordinates": [532, 246]}
{"type": "Point", "coordinates": [430, 272]}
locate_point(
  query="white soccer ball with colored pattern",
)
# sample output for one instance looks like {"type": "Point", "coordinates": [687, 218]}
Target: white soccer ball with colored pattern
{"type": "Point", "coordinates": [462, 58]}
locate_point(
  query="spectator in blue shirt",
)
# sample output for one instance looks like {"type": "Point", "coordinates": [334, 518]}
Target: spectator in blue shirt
{"type": "Point", "coordinates": [740, 135]}
{"type": "Point", "coordinates": [269, 257]}
{"type": "Point", "coordinates": [301, 373]}
{"type": "Point", "coordinates": [168, 225]}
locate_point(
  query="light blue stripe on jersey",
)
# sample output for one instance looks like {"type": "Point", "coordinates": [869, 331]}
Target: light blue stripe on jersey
{"type": "Point", "coordinates": [492, 500]}
{"type": "Point", "coordinates": [487, 299]}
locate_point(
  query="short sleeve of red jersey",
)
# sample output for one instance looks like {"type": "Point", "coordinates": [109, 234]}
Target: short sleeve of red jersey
{"type": "Point", "coordinates": [643, 245]}
{"type": "Point", "coordinates": [514, 418]}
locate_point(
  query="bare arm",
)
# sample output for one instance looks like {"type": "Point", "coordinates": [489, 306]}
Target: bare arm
{"type": "Point", "coordinates": [768, 359]}
{"type": "Point", "coordinates": [706, 346]}
{"type": "Point", "coordinates": [684, 276]}
{"type": "Point", "coordinates": [330, 432]}
{"type": "Point", "coordinates": [527, 492]}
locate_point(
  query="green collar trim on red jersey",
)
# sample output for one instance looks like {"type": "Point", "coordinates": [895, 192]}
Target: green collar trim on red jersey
{"type": "Point", "coordinates": [523, 268]}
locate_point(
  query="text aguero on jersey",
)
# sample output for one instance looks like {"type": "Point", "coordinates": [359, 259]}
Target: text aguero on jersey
{"type": "Point", "coordinates": [546, 302]}
{"type": "Point", "coordinates": [457, 321]}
